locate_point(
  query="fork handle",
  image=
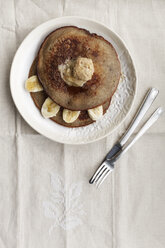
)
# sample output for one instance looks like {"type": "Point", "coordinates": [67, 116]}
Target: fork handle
{"type": "Point", "coordinates": [148, 100]}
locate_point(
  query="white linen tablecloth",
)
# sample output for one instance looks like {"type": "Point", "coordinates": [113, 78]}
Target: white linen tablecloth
{"type": "Point", "coordinates": [45, 198]}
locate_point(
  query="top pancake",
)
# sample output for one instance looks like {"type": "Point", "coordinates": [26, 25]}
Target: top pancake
{"type": "Point", "coordinates": [69, 43]}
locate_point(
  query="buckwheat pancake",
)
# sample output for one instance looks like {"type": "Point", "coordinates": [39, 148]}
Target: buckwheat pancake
{"type": "Point", "coordinates": [39, 98]}
{"type": "Point", "coordinates": [70, 43]}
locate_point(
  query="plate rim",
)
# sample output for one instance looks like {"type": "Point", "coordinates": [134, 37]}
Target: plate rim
{"type": "Point", "coordinates": [30, 122]}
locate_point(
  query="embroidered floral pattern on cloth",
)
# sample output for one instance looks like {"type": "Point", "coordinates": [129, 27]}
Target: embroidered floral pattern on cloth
{"type": "Point", "coordinates": [64, 205]}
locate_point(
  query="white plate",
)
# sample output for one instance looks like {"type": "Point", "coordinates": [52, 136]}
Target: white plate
{"type": "Point", "coordinates": [121, 101]}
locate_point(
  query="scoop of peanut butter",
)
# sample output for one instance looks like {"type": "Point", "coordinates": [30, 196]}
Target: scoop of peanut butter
{"type": "Point", "coordinates": [83, 69]}
{"type": "Point", "coordinates": [77, 72]}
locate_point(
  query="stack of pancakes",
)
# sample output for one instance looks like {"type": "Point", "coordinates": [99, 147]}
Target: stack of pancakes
{"type": "Point", "coordinates": [70, 43]}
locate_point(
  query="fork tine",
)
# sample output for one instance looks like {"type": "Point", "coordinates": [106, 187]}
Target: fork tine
{"type": "Point", "coordinates": [99, 182]}
{"type": "Point", "coordinates": [97, 173]}
{"type": "Point", "coordinates": [101, 176]}
{"type": "Point", "coordinates": [101, 173]}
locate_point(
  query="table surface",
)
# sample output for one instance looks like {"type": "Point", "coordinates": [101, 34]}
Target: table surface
{"type": "Point", "coordinates": [128, 210]}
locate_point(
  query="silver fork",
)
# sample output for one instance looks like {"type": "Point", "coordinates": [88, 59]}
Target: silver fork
{"type": "Point", "coordinates": [119, 148]}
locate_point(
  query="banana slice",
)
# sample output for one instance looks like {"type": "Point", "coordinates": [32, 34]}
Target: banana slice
{"type": "Point", "coordinates": [96, 113]}
{"type": "Point", "coordinates": [33, 85]}
{"type": "Point", "coordinates": [70, 116]}
{"type": "Point", "coordinates": [49, 108]}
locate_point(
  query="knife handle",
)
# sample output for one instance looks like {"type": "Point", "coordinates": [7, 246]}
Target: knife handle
{"type": "Point", "coordinates": [115, 149]}
{"type": "Point", "coordinates": [148, 100]}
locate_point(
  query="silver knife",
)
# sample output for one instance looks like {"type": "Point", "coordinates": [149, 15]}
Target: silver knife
{"type": "Point", "coordinates": [145, 105]}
